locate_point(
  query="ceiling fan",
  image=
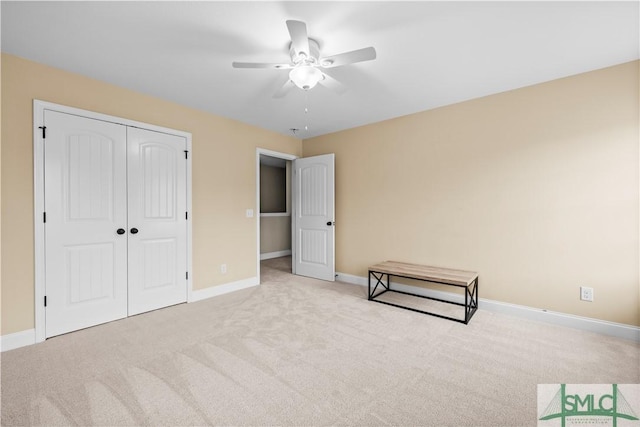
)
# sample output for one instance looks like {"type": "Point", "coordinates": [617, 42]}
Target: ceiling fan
{"type": "Point", "coordinates": [306, 62]}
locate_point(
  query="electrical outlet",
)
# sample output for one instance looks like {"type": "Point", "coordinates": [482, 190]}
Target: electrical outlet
{"type": "Point", "coordinates": [586, 294]}
{"type": "Point", "coordinates": [223, 268]}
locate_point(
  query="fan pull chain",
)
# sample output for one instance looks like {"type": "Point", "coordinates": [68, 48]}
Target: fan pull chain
{"type": "Point", "coordinates": [306, 110]}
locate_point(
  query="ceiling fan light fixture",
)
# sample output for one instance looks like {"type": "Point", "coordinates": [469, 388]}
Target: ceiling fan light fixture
{"type": "Point", "coordinates": [305, 76]}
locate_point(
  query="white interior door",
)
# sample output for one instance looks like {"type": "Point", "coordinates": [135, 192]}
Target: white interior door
{"type": "Point", "coordinates": [314, 230]}
{"type": "Point", "coordinates": [85, 205]}
{"type": "Point", "coordinates": [157, 220]}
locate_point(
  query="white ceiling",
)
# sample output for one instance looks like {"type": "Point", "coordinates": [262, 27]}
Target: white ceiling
{"type": "Point", "coordinates": [430, 54]}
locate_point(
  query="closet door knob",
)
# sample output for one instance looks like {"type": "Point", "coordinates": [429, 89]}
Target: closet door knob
{"type": "Point", "coordinates": [134, 231]}
{"type": "Point", "coordinates": [120, 231]}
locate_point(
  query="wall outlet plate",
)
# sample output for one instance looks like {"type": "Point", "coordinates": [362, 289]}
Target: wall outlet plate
{"type": "Point", "coordinates": [586, 294]}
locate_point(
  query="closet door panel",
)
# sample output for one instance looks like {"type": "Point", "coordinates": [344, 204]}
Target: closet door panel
{"type": "Point", "coordinates": [85, 204]}
{"type": "Point", "coordinates": [157, 223]}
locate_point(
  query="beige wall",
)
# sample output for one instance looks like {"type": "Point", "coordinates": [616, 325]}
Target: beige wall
{"type": "Point", "coordinates": [275, 234]}
{"type": "Point", "coordinates": [224, 181]}
{"type": "Point", "coordinates": [537, 189]}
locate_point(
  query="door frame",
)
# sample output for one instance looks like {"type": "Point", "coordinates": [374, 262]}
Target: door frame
{"type": "Point", "coordinates": [39, 107]}
{"type": "Point", "coordinates": [284, 156]}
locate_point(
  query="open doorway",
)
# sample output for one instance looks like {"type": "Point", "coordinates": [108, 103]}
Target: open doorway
{"type": "Point", "coordinates": [273, 174]}
{"type": "Point", "coordinates": [275, 208]}
{"type": "Point", "coordinates": [310, 211]}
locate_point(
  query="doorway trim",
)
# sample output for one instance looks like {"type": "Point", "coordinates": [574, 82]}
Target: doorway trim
{"type": "Point", "coordinates": [39, 108]}
{"type": "Point", "coordinates": [284, 156]}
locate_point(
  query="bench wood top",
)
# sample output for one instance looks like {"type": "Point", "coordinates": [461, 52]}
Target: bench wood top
{"type": "Point", "coordinates": [424, 272]}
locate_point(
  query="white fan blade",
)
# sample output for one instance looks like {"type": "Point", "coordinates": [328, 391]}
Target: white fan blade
{"type": "Point", "coordinates": [260, 65]}
{"type": "Point", "coordinates": [360, 55]}
{"type": "Point", "coordinates": [331, 83]}
{"type": "Point", "coordinates": [299, 38]}
{"type": "Point", "coordinates": [286, 87]}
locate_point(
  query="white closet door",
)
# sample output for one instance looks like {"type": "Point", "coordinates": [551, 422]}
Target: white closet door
{"type": "Point", "coordinates": [314, 195]}
{"type": "Point", "coordinates": [157, 223]}
{"type": "Point", "coordinates": [85, 204]}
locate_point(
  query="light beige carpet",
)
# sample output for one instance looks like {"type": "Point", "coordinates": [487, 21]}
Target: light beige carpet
{"type": "Point", "coordinates": [297, 351]}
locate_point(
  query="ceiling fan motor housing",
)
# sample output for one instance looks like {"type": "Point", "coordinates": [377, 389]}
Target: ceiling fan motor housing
{"type": "Point", "coordinates": [312, 59]}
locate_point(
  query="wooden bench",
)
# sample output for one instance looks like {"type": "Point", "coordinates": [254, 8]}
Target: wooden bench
{"type": "Point", "coordinates": [446, 276]}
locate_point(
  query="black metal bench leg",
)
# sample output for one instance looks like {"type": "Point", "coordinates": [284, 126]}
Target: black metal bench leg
{"type": "Point", "coordinates": [379, 281]}
{"type": "Point", "coordinates": [466, 305]}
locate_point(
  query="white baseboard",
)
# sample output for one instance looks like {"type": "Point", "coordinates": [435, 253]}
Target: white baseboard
{"type": "Point", "coordinates": [618, 330]}
{"type": "Point", "coordinates": [215, 291]}
{"type": "Point", "coordinates": [18, 339]}
{"type": "Point", "coordinates": [277, 254]}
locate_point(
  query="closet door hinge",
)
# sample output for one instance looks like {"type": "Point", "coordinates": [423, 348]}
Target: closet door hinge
{"type": "Point", "coordinates": [44, 217]}
{"type": "Point", "coordinates": [45, 300]}
{"type": "Point", "coordinates": [186, 275]}
{"type": "Point", "coordinates": [44, 131]}
{"type": "Point", "coordinates": [186, 215]}
{"type": "Point", "coordinates": [186, 154]}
